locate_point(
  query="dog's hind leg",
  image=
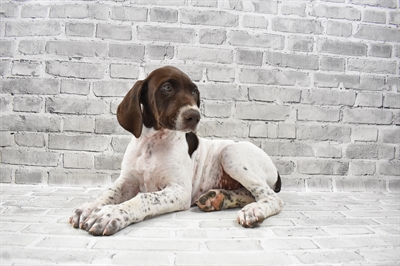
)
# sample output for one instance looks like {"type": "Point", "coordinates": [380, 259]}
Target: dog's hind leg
{"type": "Point", "coordinates": [220, 199]}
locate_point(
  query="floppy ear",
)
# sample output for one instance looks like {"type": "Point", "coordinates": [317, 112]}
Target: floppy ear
{"type": "Point", "coordinates": [129, 113]}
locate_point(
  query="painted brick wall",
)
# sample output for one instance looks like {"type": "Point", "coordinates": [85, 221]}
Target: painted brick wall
{"type": "Point", "coordinates": [313, 83]}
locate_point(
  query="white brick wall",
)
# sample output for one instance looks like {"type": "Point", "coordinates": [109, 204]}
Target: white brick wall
{"type": "Point", "coordinates": [313, 83]}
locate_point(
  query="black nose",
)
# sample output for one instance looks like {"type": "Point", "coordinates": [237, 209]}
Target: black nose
{"type": "Point", "coordinates": [192, 117]}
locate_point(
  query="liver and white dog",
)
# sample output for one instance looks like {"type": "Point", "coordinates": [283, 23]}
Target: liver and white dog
{"type": "Point", "coordinates": [167, 168]}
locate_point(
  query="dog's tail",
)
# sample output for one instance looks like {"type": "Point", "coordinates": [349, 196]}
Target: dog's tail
{"type": "Point", "coordinates": [278, 184]}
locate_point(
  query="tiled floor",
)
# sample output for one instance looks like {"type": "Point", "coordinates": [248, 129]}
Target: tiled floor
{"type": "Point", "coordinates": [359, 228]}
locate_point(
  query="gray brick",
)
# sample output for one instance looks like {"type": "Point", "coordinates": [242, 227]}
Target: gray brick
{"type": "Point", "coordinates": [108, 126]}
{"type": "Point", "coordinates": [324, 133]}
{"type": "Point", "coordinates": [5, 104]}
{"type": "Point", "coordinates": [369, 32]}
{"type": "Point", "coordinates": [28, 177]}
{"type": "Point", "coordinates": [125, 51]}
{"type": "Point", "coordinates": [394, 17]}
{"type": "Point", "coordinates": [165, 34]}
{"type": "Point", "coordinates": [306, 26]}
{"type": "Point", "coordinates": [119, 143]}
{"type": "Point", "coordinates": [209, 3]}
{"type": "Point", "coordinates": [258, 130]}
{"type": "Point", "coordinates": [30, 122]}
{"type": "Point", "coordinates": [111, 88]}
{"type": "Point", "coordinates": [78, 142]}
{"type": "Point", "coordinates": [160, 52]}
{"type": "Point", "coordinates": [115, 32]}
{"type": "Point", "coordinates": [78, 49]}
{"type": "Point", "coordinates": [365, 134]}
{"type": "Point", "coordinates": [274, 77]}
{"type": "Point", "coordinates": [325, 167]}
{"type": "Point", "coordinates": [212, 36]}
{"type": "Point", "coordinates": [332, 63]}
{"type": "Point", "coordinates": [249, 57]}
{"type": "Point", "coordinates": [291, 149]}
{"type": "Point", "coordinates": [28, 104]}
{"type": "Point", "coordinates": [336, 12]}
{"type": "Point", "coordinates": [378, 3]}
{"type": "Point", "coordinates": [300, 43]}
{"type": "Point", "coordinates": [328, 151]}
{"type": "Point", "coordinates": [286, 131]}
{"type": "Point", "coordinates": [285, 167]}
{"type": "Point", "coordinates": [315, 113]}
{"type": "Point", "coordinates": [328, 97]}
{"type": "Point", "coordinates": [222, 92]}
{"type": "Point", "coordinates": [370, 99]}
{"type": "Point", "coordinates": [224, 129]}
{"type": "Point", "coordinates": [371, 66]}
{"type": "Point", "coordinates": [362, 168]}
{"type": "Point", "coordinates": [35, 158]}
{"type": "Point", "coordinates": [26, 68]}
{"type": "Point", "coordinates": [294, 9]}
{"type": "Point", "coordinates": [30, 139]}
{"type": "Point", "coordinates": [391, 100]}
{"type": "Point", "coordinates": [33, 28]}
{"type": "Point", "coordinates": [211, 18]}
{"type": "Point", "coordinates": [76, 106]}
{"type": "Point", "coordinates": [4, 67]}
{"type": "Point", "coordinates": [389, 168]}
{"type": "Point", "coordinates": [242, 38]}
{"type": "Point", "coordinates": [292, 60]}
{"type": "Point", "coordinates": [195, 72]}
{"type": "Point", "coordinates": [272, 94]}
{"type": "Point", "coordinates": [360, 184]}
{"type": "Point", "coordinates": [79, 179]}
{"type": "Point", "coordinates": [8, 10]}
{"type": "Point", "coordinates": [5, 175]}
{"type": "Point", "coordinates": [129, 13]}
{"type": "Point", "coordinates": [31, 47]}
{"type": "Point", "coordinates": [70, 86]}
{"type": "Point", "coordinates": [221, 56]}
{"type": "Point", "coordinates": [369, 151]}
{"type": "Point", "coordinates": [380, 50]}
{"type": "Point", "coordinates": [390, 135]}
{"type": "Point", "coordinates": [102, 162]}
{"type": "Point", "coordinates": [69, 11]}
{"type": "Point", "coordinates": [78, 160]}
{"type": "Point", "coordinates": [367, 116]}
{"type": "Point", "coordinates": [254, 6]}
{"type": "Point", "coordinates": [372, 83]}
{"type": "Point", "coordinates": [218, 109]}
{"type": "Point", "coordinates": [99, 11]}
{"type": "Point", "coordinates": [342, 48]}
{"type": "Point", "coordinates": [75, 69]}
{"type": "Point", "coordinates": [7, 48]}
{"type": "Point", "coordinates": [258, 111]}
{"type": "Point", "coordinates": [163, 15]}
{"type": "Point", "coordinates": [78, 124]}
{"type": "Point", "coordinates": [339, 29]}
{"type": "Point", "coordinates": [124, 71]}
{"type": "Point", "coordinates": [79, 29]}
{"type": "Point", "coordinates": [32, 11]}
{"type": "Point", "coordinates": [374, 16]}
{"type": "Point", "coordinates": [336, 81]}
{"type": "Point", "coordinates": [220, 74]}
{"type": "Point", "coordinates": [252, 21]}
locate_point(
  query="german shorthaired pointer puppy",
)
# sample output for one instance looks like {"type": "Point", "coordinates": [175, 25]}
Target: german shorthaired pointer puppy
{"type": "Point", "coordinates": [167, 168]}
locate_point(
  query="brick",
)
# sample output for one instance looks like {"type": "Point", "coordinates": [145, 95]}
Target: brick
{"type": "Point", "coordinates": [124, 71]}
{"type": "Point", "coordinates": [239, 245]}
{"type": "Point", "coordinates": [389, 168]}
{"type": "Point", "coordinates": [108, 126]}
{"type": "Point", "coordinates": [30, 122]}
{"type": "Point", "coordinates": [293, 9]}
{"type": "Point", "coordinates": [9, 10]}
{"type": "Point", "coordinates": [249, 57]}
{"type": "Point", "coordinates": [272, 131]}
{"type": "Point", "coordinates": [221, 56]}
{"type": "Point", "coordinates": [390, 136]}
{"type": "Point", "coordinates": [210, 128]}
{"type": "Point", "coordinates": [195, 72]}
{"type": "Point", "coordinates": [258, 129]}
{"type": "Point", "coordinates": [372, 83]}
{"type": "Point", "coordinates": [75, 69]}
{"type": "Point", "coordinates": [368, 151]}
{"type": "Point", "coordinates": [4, 67]}
{"type": "Point", "coordinates": [332, 63]}
{"type": "Point", "coordinates": [274, 77]}
{"type": "Point", "coordinates": [111, 88]}
{"type": "Point", "coordinates": [378, 3]}
{"type": "Point", "coordinates": [78, 179]}
{"type": "Point", "coordinates": [6, 139]}
{"type": "Point", "coordinates": [99, 11]}
{"type": "Point", "coordinates": [252, 6]}
{"type": "Point", "coordinates": [287, 131]}
{"type": "Point", "coordinates": [78, 160]}
{"type": "Point", "coordinates": [328, 151]}
{"type": "Point", "coordinates": [32, 11]}
{"type": "Point", "coordinates": [163, 15]}
{"type": "Point", "coordinates": [78, 142]}
{"type": "Point", "coordinates": [336, 12]}
{"type": "Point", "coordinates": [127, 13]}
{"type": "Point", "coordinates": [5, 175]}
{"type": "Point", "coordinates": [78, 124]}
{"type": "Point", "coordinates": [258, 111]}
{"type": "Point", "coordinates": [315, 113]}
{"type": "Point", "coordinates": [374, 16]}
{"type": "Point", "coordinates": [212, 36]}
{"type": "Point", "coordinates": [300, 43]}
{"type": "Point", "coordinates": [165, 34]}
{"type": "Point", "coordinates": [69, 11]}
{"type": "Point", "coordinates": [220, 74]}
{"type": "Point", "coordinates": [79, 29]}
{"type": "Point", "coordinates": [33, 28]}
{"type": "Point", "coordinates": [370, 99]}
{"type": "Point", "coordinates": [28, 104]}
{"type": "Point", "coordinates": [26, 68]}
{"type": "Point", "coordinates": [371, 66]}
{"type": "Point", "coordinates": [31, 47]}
{"type": "Point", "coordinates": [375, 33]}
{"type": "Point", "coordinates": [157, 2]}
{"type": "Point", "coordinates": [391, 100]}
{"type": "Point", "coordinates": [25, 177]}
{"type": "Point", "coordinates": [115, 32]}
{"type": "Point", "coordinates": [339, 29]}
{"type": "Point", "coordinates": [252, 21]}
{"type": "Point", "coordinates": [119, 143]}
{"type": "Point", "coordinates": [292, 60]}
{"type": "Point", "coordinates": [30, 139]}
{"type": "Point", "coordinates": [35, 158]}
{"type": "Point", "coordinates": [331, 256]}
{"type": "Point", "coordinates": [342, 48]}
{"type": "Point", "coordinates": [208, 3]}
{"type": "Point", "coordinates": [285, 167]}
{"type": "Point", "coordinates": [328, 97]}
{"type": "Point", "coordinates": [7, 48]}
{"type": "Point", "coordinates": [394, 17]}
{"type": "Point", "coordinates": [5, 104]}
{"type": "Point", "coordinates": [70, 86]}
{"type": "Point", "coordinates": [76, 106]}
{"type": "Point", "coordinates": [160, 52]}
{"type": "Point", "coordinates": [306, 26]}
{"type": "Point", "coordinates": [367, 116]}
{"type": "Point", "coordinates": [107, 162]}
{"type": "Point", "coordinates": [218, 109]}
{"type": "Point", "coordinates": [242, 38]}
{"type": "Point", "coordinates": [211, 18]}
{"type": "Point", "coordinates": [360, 184]}
{"type": "Point", "coordinates": [380, 50]}
{"type": "Point", "coordinates": [365, 134]}
{"type": "Point", "coordinates": [324, 133]}
{"type": "Point", "coordinates": [272, 94]}
{"type": "Point", "coordinates": [337, 81]}
{"type": "Point", "coordinates": [362, 168]}
{"type": "Point", "coordinates": [135, 52]}
{"type": "Point", "coordinates": [291, 149]}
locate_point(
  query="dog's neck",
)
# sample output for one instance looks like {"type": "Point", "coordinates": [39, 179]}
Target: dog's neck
{"type": "Point", "coordinates": [159, 134]}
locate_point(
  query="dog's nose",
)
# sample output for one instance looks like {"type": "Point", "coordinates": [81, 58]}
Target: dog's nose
{"type": "Point", "coordinates": [192, 117]}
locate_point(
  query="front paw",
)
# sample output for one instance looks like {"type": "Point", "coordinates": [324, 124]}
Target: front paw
{"type": "Point", "coordinates": [79, 215]}
{"type": "Point", "coordinates": [106, 220]}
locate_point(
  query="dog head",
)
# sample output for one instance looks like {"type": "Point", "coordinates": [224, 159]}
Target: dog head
{"type": "Point", "coordinates": [167, 98]}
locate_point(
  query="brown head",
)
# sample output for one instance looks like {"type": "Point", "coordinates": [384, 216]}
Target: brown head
{"type": "Point", "coordinates": [167, 98]}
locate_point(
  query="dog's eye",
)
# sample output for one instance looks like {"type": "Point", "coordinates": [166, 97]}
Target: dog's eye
{"type": "Point", "coordinates": [167, 87]}
{"type": "Point", "coordinates": [195, 92]}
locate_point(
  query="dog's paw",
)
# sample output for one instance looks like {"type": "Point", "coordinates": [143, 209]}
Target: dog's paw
{"type": "Point", "coordinates": [106, 220]}
{"type": "Point", "coordinates": [79, 215]}
{"type": "Point", "coordinates": [251, 215]}
{"type": "Point", "coordinates": [211, 201]}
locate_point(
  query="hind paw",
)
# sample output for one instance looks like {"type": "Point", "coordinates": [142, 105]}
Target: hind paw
{"type": "Point", "coordinates": [211, 201]}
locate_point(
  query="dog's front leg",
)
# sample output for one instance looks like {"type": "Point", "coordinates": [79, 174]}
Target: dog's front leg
{"type": "Point", "coordinates": [109, 219]}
